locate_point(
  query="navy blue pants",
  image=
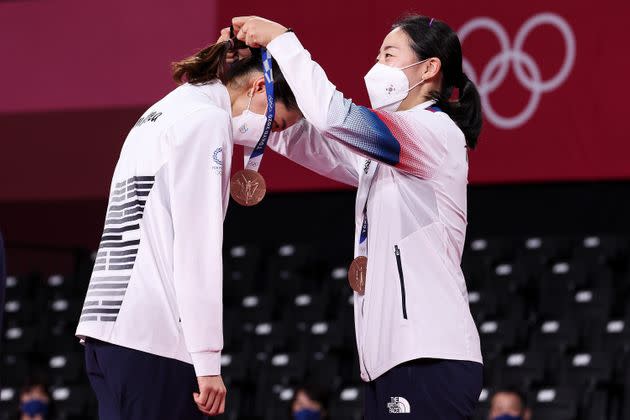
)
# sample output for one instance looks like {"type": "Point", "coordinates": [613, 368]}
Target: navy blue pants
{"type": "Point", "coordinates": [425, 389]}
{"type": "Point", "coordinates": [133, 385]}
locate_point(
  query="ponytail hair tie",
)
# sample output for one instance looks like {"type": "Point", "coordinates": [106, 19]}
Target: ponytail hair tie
{"type": "Point", "coordinates": [431, 22]}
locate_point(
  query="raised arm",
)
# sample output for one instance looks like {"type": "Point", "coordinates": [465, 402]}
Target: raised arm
{"type": "Point", "coordinates": [304, 145]}
{"type": "Point", "coordinates": [407, 140]}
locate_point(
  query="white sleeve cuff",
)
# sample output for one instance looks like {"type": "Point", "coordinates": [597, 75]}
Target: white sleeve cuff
{"type": "Point", "coordinates": [207, 363]}
{"type": "Point", "coordinates": [286, 44]}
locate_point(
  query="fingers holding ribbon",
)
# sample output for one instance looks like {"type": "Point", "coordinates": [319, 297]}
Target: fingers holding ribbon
{"type": "Point", "coordinates": [255, 31]}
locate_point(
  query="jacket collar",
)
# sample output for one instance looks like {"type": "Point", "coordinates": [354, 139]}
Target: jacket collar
{"type": "Point", "coordinates": [218, 94]}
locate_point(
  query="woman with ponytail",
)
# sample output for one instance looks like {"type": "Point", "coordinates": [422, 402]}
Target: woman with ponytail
{"type": "Point", "coordinates": [418, 345]}
{"type": "Point", "coordinates": [152, 318]}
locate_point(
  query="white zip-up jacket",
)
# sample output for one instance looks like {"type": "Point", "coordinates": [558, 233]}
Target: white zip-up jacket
{"type": "Point", "coordinates": [157, 281]}
{"type": "Point", "coordinates": [412, 169]}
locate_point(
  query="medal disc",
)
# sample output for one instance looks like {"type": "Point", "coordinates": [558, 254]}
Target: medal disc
{"type": "Point", "coordinates": [357, 274]}
{"type": "Point", "coordinates": [248, 187]}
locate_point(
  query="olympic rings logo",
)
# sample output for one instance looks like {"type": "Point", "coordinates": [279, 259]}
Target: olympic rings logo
{"type": "Point", "coordinates": [496, 70]}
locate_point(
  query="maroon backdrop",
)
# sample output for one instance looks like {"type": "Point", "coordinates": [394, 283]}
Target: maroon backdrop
{"type": "Point", "coordinates": [77, 74]}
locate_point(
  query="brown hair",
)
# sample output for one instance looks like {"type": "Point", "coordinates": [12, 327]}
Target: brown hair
{"type": "Point", "coordinates": [210, 65]}
{"type": "Point", "coordinates": [205, 66]}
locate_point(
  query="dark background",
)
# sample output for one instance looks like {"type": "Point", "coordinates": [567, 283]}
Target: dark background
{"type": "Point", "coordinates": [33, 228]}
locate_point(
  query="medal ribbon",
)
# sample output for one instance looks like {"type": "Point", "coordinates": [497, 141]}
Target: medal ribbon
{"type": "Point", "coordinates": [256, 153]}
{"type": "Point", "coordinates": [363, 236]}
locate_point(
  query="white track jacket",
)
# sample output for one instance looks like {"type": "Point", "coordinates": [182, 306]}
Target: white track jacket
{"type": "Point", "coordinates": [411, 167]}
{"type": "Point", "coordinates": [157, 281]}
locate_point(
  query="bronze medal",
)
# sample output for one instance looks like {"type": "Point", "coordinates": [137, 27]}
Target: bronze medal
{"type": "Point", "coordinates": [248, 187]}
{"type": "Point", "coordinates": [358, 274]}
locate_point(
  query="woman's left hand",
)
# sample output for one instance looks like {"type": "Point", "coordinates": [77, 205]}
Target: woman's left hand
{"type": "Point", "coordinates": [255, 31]}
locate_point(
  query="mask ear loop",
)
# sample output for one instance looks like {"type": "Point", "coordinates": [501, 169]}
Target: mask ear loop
{"type": "Point", "coordinates": [416, 85]}
{"type": "Point", "coordinates": [421, 80]}
{"type": "Point", "coordinates": [251, 97]}
{"type": "Point", "coordinates": [415, 64]}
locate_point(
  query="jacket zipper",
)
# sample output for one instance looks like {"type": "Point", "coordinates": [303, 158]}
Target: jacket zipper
{"type": "Point", "coordinates": [402, 281]}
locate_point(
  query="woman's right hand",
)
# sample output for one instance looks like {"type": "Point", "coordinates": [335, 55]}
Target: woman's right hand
{"type": "Point", "coordinates": [233, 55]}
{"type": "Point", "coordinates": [211, 396]}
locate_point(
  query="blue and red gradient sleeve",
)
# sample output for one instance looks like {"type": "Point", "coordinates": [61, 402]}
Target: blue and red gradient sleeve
{"type": "Point", "coordinates": [397, 139]}
{"type": "Point", "coordinates": [412, 141]}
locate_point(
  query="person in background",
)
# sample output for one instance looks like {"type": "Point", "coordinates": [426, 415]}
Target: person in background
{"type": "Point", "coordinates": [3, 283]}
{"type": "Point", "coordinates": [309, 403]}
{"type": "Point", "coordinates": [509, 404]}
{"type": "Point", "coordinates": [34, 401]}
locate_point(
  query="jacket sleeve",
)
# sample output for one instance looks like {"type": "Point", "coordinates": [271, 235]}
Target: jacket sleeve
{"type": "Point", "coordinates": [197, 194]}
{"type": "Point", "coordinates": [413, 141]}
{"type": "Point", "coordinates": [304, 145]}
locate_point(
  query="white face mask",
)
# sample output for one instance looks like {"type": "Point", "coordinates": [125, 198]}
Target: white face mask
{"type": "Point", "coordinates": [249, 126]}
{"type": "Point", "coordinates": [388, 86]}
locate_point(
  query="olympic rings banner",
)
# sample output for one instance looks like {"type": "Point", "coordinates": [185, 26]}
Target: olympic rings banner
{"type": "Point", "coordinates": [77, 75]}
{"type": "Point", "coordinates": [512, 56]}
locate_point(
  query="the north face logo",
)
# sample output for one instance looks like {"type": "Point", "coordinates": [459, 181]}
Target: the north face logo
{"type": "Point", "coordinates": [399, 405]}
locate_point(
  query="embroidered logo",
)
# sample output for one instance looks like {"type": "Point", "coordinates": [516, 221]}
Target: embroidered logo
{"type": "Point", "coordinates": [366, 167]}
{"type": "Point", "coordinates": [399, 405]}
{"type": "Point", "coordinates": [217, 158]}
{"type": "Point", "coordinates": [151, 117]}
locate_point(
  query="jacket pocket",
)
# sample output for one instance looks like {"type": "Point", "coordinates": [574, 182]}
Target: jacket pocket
{"type": "Point", "coordinates": [401, 277]}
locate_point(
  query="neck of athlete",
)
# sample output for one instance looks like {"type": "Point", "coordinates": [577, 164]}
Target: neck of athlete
{"type": "Point", "coordinates": [420, 94]}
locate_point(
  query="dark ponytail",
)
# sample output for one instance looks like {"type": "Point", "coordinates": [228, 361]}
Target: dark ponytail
{"type": "Point", "coordinates": [210, 65]}
{"type": "Point", "coordinates": [434, 38]}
